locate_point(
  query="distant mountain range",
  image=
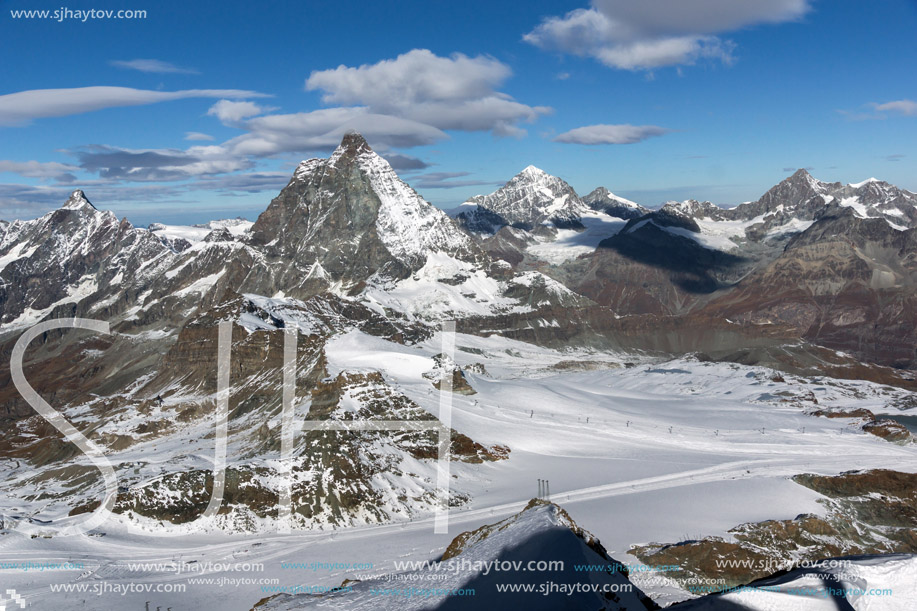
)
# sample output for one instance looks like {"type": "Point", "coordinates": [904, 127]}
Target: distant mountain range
{"type": "Point", "coordinates": [813, 277]}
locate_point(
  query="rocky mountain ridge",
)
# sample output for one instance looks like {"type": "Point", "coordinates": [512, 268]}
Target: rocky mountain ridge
{"type": "Point", "coordinates": [348, 247]}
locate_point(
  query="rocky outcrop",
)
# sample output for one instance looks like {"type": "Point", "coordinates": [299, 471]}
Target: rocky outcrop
{"type": "Point", "coordinates": [603, 200]}
{"type": "Point", "coordinates": [847, 283]}
{"type": "Point", "coordinates": [542, 531]}
{"type": "Point", "coordinates": [871, 512]}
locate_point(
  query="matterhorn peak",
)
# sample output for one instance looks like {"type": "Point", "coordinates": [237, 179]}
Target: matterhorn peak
{"type": "Point", "coordinates": [78, 201]}
{"type": "Point", "coordinates": [354, 141]}
{"type": "Point", "coordinates": [355, 149]}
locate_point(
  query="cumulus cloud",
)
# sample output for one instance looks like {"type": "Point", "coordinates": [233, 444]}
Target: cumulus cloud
{"type": "Point", "coordinates": [51, 170]}
{"type": "Point", "coordinates": [901, 107]}
{"type": "Point", "coordinates": [230, 112]}
{"type": "Point", "coordinates": [22, 107]}
{"type": "Point", "coordinates": [654, 33]}
{"type": "Point", "coordinates": [152, 65]}
{"type": "Point", "coordinates": [610, 134]}
{"type": "Point", "coordinates": [409, 101]}
{"type": "Point", "coordinates": [415, 76]}
{"type": "Point", "coordinates": [456, 92]}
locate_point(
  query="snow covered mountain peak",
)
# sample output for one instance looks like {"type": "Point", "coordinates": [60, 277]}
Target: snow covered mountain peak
{"type": "Point", "coordinates": [602, 192]}
{"type": "Point", "coordinates": [78, 201]}
{"type": "Point", "coordinates": [531, 199]}
{"type": "Point", "coordinates": [354, 141]}
{"type": "Point", "coordinates": [601, 199]}
{"type": "Point", "coordinates": [803, 182]}
{"type": "Point", "coordinates": [80, 211]}
{"type": "Point", "coordinates": [690, 206]}
{"type": "Point", "coordinates": [354, 147]}
{"type": "Point", "coordinates": [534, 174]}
{"type": "Point", "coordinates": [353, 215]}
{"type": "Point", "coordinates": [857, 185]}
{"type": "Point", "coordinates": [532, 171]}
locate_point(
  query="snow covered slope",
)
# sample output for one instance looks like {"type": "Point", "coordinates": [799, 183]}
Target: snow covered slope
{"type": "Point", "coordinates": [478, 566]}
{"type": "Point", "coordinates": [866, 583]}
{"type": "Point", "coordinates": [531, 199]}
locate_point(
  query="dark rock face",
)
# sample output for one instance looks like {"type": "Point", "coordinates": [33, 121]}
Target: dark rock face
{"type": "Point", "coordinates": [644, 269]}
{"type": "Point", "coordinates": [74, 246]}
{"type": "Point", "coordinates": [338, 223]}
{"type": "Point", "coordinates": [846, 282]}
{"type": "Point", "coordinates": [804, 198]}
{"type": "Point", "coordinates": [329, 224]}
{"type": "Point", "coordinates": [603, 200]}
{"type": "Point", "coordinates": [507, 244]}
{"type": "Point", "coordinates": [798, 197]}
{"type": "Point", "coordinates": [834, 262]}
{"type": "Point", "coordinates": [541, 531]}
{"type": "Point", "coordinates": [881, 503]}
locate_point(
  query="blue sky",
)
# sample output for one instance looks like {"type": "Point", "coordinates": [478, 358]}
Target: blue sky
{"type": "Point", "coordinates": [657, 100]}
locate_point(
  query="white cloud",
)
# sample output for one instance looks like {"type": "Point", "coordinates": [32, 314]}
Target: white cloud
{"type": "Point", "coordinates": [152, 65]}
{"type": "Point", "coordinates": [400, 103]}
{"type": "Point", "coordinates": [651, 34]}
{"type": "Point", "coordinates": [447, 180]}
{"type": "Point", "coordinates": [666, 52]}
{"type": "Point", "coordinates": [322, 130]}
{"type": "Point", "coordinates": [230, 112]}
{"type": "Point", "coordinates": [904, 107]}
{"type": "Point", "coordinates": [197, 136]}
{"type": "Point", "coordinates": [610, 134]}
{"type": "Point", "coordinates": [37, 169]}
{"type": "Point", "coordinates": [413, 77]}
{"type": "Point", "coordinates": [21, 107]}
{"type": "Point", "coordinates": [881, 111]}
{"type": "Point", "coordinates": [456, 92]}
{"type": "Point", "coordinates": [255, 182]}
{"type": "Point", "coordinates": [151, 165]}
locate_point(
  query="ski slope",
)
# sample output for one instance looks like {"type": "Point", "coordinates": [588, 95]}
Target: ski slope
{"type": "Point", "coordinates": [659, 451]}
